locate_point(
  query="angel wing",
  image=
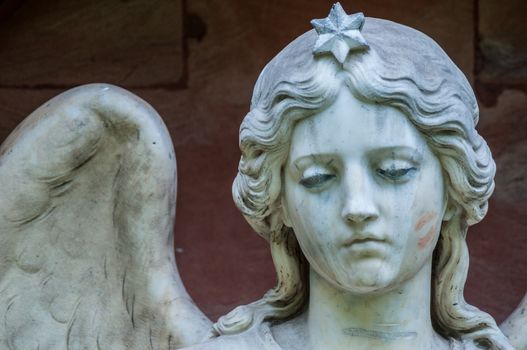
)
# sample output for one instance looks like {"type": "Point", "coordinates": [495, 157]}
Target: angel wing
{"type": "Point", "coordinates": [515, 326]}
{"type": "Point", "coordinates": [87, 204]}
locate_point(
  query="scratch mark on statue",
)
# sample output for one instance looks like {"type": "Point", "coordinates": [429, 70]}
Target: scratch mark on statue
{"type": "Point", "coordinates": [98, 343]}
{"type": "Point", "coordinates": [116, 177]}
{"type": "Point", "coordinates": [73, 318]}
{"type": "Point", "coordinates": [105, 268]}
{"type": "Point", "coordinates": [68, 334]}
{"type": "Point", "coordinates": [114, 216]}
{"type": "Point", "coordinates": [123, 291]}
{"type": "Point", "coordinates": [116, 196]}
{"type": "Point", "coordinates": [45, 280]}
{"type": "Point", "coordinates": [372, 334]}
{"type": "Point", "coordinates": [10, 303]}
{"type": "Point", "coordinates": [170, 342]}
{"type": "Point", "coordinates": [150, 338]}
{"type": "Point", "coordinates": [132, 313]}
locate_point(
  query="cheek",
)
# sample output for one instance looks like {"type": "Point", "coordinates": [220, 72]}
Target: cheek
{"type": "Point", "coordinates": [424, 220]}
{"type": "Point", "coordinates": [302, 211]}
{"type": "Point", "coordinates": [429, 207]}
{"type": "Point", "coordinates": [426, 229]}
{"type": "Point", "coordinates": [310, 217]}
{"type": "Point", "coordinates": [425, 240]}
{"type": "Point", "coordinates": [309, 212]}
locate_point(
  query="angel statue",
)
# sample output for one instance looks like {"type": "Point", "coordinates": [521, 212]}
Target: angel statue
{"type": "Point", "coordinates": [360, 166]}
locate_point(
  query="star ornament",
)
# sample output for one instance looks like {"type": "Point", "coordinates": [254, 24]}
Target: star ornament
{"type": "Point", "coordinates": [339, 33]}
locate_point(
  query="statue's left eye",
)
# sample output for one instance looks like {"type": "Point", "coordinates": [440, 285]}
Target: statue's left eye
{"type": "Point", "coordinates": [316, 180]}
{"type": "Point", "coordinates": [395, 174]}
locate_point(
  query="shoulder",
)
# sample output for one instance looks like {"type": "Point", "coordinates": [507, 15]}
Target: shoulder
{"type": "Point", "coordinates": [462, 345]}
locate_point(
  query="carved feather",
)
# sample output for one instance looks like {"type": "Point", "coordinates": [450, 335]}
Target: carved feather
{"type": "Point", "coordinates": [87, 204]}
{"type": "Point", "coordinates": [515, 326]}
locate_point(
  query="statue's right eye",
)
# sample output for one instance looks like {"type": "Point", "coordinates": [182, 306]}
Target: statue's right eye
{"type": "Point", "coordinates": [316, 181]}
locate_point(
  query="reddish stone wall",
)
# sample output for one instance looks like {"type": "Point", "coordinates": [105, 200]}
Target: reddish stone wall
{"type": "Point", "coordinates": [196, 62]}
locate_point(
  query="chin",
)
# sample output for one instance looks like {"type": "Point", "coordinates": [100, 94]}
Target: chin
{"type": "Point", "coordinates": [367, 287]}
{"type": "Point", "coordinates": [369, 280]}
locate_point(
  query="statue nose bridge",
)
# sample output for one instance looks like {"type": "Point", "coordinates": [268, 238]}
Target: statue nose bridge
{"type": "Point", "coordinates": [358, 197]}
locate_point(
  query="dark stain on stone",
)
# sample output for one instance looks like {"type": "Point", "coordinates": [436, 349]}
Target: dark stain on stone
{"type": "Point", "coordinates": [195, 27]}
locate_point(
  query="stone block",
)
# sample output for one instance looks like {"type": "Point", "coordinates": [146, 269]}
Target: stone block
{"type": "Point", "coordinates": [502, 53]}
{"type": "Point", "coordinates": [67, 43]}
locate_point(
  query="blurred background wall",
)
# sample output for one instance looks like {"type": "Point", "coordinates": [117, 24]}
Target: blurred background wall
{"type": "Point", "coordinates": [196, 62]}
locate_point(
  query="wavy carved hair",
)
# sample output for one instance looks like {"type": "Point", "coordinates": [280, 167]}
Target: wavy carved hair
{"type": "Point", "coordinates": [402, 68]}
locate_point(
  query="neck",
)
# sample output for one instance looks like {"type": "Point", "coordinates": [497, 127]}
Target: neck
{"type": "Point", "coordinates": [396, 319]}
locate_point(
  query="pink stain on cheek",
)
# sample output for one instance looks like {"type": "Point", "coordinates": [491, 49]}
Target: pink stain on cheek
{"type": "Point", "coordinates": [423, 222]}
{"type": "Point", "coordinates": [426, 239]}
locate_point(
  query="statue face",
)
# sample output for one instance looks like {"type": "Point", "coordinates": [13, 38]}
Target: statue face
{"type": "Point", "coordinates": [364, 194]}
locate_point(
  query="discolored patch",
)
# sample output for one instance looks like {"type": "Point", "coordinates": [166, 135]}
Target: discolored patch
{"type": "Point", "coordinates": [423, 220]}
{"type": "Point", "coordinates": [426, 239]}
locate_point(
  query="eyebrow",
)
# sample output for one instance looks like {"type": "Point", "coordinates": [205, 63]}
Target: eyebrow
{"type": "Point", "coordinates": [323, 158]}
{"type": "Point", "coordinates": [411, 153]}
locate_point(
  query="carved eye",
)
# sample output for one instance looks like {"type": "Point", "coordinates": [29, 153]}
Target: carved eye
{"type": "Point", "coordinates": [396, 174]}
{"type": "Point", "coordinates": [316, 181]}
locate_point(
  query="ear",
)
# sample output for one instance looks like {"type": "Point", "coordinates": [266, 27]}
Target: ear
{"type": "Point", "coordinates": [284, 213]}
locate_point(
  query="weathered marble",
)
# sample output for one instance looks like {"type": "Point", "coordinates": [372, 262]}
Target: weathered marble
{"type": "Point", "coordinates": [361, 166]}
{"type": "Point", "coordinates": [87, 188]}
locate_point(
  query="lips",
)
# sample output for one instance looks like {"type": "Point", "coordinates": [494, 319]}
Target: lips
{"type": "Point", "coordinates": [365, 247]}
{"type": "Point", "coordinates": [361, 239]}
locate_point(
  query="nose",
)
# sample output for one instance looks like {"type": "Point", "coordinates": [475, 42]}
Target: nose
{"type": "Point", "coordinates": [359, 202]}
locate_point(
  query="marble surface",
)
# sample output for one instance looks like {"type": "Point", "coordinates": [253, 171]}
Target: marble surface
{"type": "Point", "coordinates": [87, 188]}
{"type": "Point", "coordinates": [203, 117]}
{"type": "Point", "coordinates": [356, 173]}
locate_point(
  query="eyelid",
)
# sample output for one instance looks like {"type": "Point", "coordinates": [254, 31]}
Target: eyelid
{"type": "Point", "coordinates": [396, 174]}
{"type": "Point", "coordinates": [315, 169]}
{"type": "Point", "coordinates": [316, 176]}
{"type": "Point", "coordinates": [396, 168]}
{"type": "Point", "coordinates": [397, 162]}
{"type": "Point", "coordinates": [317, 181]}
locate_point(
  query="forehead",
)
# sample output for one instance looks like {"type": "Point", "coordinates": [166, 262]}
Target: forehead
{"type": "Point", "coordinates": [353, 126]}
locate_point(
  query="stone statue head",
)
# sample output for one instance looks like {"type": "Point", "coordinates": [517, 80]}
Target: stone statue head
{"type": "Point", "coordinates": [401, 69]}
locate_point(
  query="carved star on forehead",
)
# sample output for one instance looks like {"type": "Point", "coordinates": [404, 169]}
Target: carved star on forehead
{"type": "Point", "coordinates": [339, 33]}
